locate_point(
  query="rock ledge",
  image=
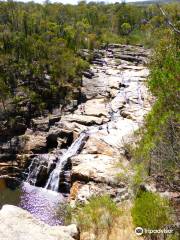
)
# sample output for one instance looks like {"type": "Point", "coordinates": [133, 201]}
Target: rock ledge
{"type": "Point", "coordinates": [18, 224]}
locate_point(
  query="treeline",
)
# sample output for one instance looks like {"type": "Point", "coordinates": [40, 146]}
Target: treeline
{"type": "Point", "coordinates": [39, 44]}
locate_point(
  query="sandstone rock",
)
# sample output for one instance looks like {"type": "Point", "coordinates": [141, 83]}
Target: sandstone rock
{"type": "Point", "coordinates": [34, 143]}
{"type": "Point", "coordinates": [64, 125]}
{"type": "Point", "coordinates": [95, 167]}
{"type": "Point", "coordinates": [88, 236]}
{"type": "Point", "coordinates": [54, 118]}
{"type": "Point", "coordinates": [24, 159]}
{"type": "Point", "coordinates": [95, 107]}
{"type": "Point", "coordinates": [95, 145]}
{"type": "Point", "coordinates": [84, 119]}
{"type": "Point", "coordinates": [85, 191]}
{"type": "Point", "coordinates": [18, 224]}
{"type": "Point", "coordinates": [40, 124]}
{"type": "Point", "coordinates": [119, 132]}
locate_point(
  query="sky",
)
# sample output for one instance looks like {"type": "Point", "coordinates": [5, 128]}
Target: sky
{"type": "Point", "coordinates": [76, 1]}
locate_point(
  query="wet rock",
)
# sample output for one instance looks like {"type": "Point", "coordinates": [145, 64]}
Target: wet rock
{"type": "Point", "coordinates": [13, 218]}
{"type": "Point", "coordinates": [24, 160]}
{"type": "Point", "coordinates": [60, 136]}
{"type": "Point", "coordinates": [40, 168]}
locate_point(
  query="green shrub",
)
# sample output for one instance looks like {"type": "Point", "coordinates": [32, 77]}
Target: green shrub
{"type": "Point", "coordinates": [150, 211]}
{"type": "Point", "coordinates": [125, 28]}
{"type": "Point", "coordinates": [139, 177]}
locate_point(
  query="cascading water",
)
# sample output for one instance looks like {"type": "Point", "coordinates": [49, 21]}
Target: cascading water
{"type": "Point", "coordinates": [41, 165]}
{"type": "Point", "coordinates": [54, 178]}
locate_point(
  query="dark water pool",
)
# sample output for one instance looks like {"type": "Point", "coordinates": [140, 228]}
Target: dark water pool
{"type": "Point", "coordinates": [44, 204]}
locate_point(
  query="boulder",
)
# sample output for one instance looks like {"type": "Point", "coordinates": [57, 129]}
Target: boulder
{"type": "Point", "coordinates": [95, 107]}
{"type": "Point", "coordinates": [18, 224]}
{"type": "Point", "coordinates": [95, 145]}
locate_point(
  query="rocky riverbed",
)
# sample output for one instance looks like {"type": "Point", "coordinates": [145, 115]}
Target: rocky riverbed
{"type": "Point", "coordinates": [77, 152]}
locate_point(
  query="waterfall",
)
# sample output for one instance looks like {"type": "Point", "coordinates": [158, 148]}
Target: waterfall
{"type": "Point", "coordinates": [33, 171]}
{"type": "Point", "coordinates": [40, 168]}
{"type": "Point", "coordinates": [54, 178]}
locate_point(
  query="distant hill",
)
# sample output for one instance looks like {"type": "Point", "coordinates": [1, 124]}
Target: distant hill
{"type": "Point", "coordinates": [153, 1]}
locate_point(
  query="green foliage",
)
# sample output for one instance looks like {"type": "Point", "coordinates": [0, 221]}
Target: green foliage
{"type": "Point", "coordinates": [159, 146]}
{"type": "Point", "coordinates": [139, 177]}
{"type": "Point", "coordinates": [125, 28]}
{"type": "Point", "coordinates": [123, 175]}
{"type": "Point", "coordinates": [97, 217]}
{"type": "Point", "coordinates": [36, 55]}
{"type": "Point", "coordinates": [173, 237]}
{"type": "Point", "coordinates": [4, 92]}
{"type": "Point", "coordinates": [164, 78]}
{"type": "Point", "coordinates": [150, 211]}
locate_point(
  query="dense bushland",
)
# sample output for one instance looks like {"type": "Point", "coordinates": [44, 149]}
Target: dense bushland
{"type": "Point", "coordinates": [157, 153]}
{"type": "Point", "coordinates": [159, 147]}
{"type": "Point", "coordinates": [39, 64]}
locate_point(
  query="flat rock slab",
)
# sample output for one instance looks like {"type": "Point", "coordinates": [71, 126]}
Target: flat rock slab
{"type": "Point", "coordinates": [18, 224]}
{"type": "Point", "coordinates": [84, 119]}
{"type": "Point", "coordinates": [99, 168]}
{"type": "Point", "coordinates": [95, 107]}
{"type": "Point", "coordinates": [96, 145]}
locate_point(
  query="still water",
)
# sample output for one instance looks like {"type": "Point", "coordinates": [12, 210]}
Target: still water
{"type": "Point", "coordinates": [46, 205]}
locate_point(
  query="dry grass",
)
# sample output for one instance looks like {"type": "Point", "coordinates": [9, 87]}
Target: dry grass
{"type": "Point", "coordinates": [123, 230]}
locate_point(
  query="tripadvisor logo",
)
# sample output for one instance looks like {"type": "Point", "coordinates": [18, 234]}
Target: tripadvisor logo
{"type": "Point", "coordinates": [139, 231]}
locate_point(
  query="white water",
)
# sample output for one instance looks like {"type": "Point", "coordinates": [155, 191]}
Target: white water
{"type": "Point", "coordinates": [38, 163]}
{"type": "Point", "coordinates": [54, 178]}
